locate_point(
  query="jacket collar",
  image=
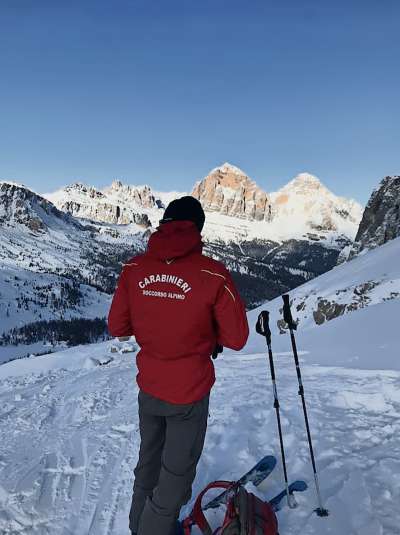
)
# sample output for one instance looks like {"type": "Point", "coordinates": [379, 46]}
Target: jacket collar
{"type": "Point", "coordinates": [174, 240]}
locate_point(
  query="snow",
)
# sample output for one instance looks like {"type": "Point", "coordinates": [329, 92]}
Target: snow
{"type": "Point", "coordinates": [70, 439]}
{"type": "Point", "coordinates": [305, 202]}
{"type": "Point", "coordinates": [228, 168]}
{"type": "Point", "coordinates": [70, 433]}
{"type": "Point", "coordinates": [62, 256]}
{"type": "Point", "coordinates": [220, 227]}
{"type": "Point", "coordinates": [15, 183]}
{"type": "Point", "coordinates": [367, 339]}
{"type": "Point", "coordinates": [40, 291]}
{"type": "Point", "coordinates": [166, 197]}
{"type": "Point", "coordinates": [368, 280]}
{"type": "Point", "coordinates": [69, 429]}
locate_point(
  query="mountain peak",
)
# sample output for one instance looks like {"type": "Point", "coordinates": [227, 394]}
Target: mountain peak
{"type": "Point", "coordinates": [21, 205]}
{"type": "Point", "coordinates": [117, 185]}
{"type": "Point", "coordinates": [13, 184]}
{"type": "Point", "coordinates": [77, 186]}
{"type": "Point", "coordinates": [229, 191]}
{"type": "Point", "coordinates": [305, 181]}
{"type": "Point", "coordinates": [228, 168]}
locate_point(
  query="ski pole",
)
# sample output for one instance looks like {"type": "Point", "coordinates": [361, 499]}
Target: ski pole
{"type": "Point", "coordinates": [287, 316]}
{"type": "Point", "coordinates": [262, 327]}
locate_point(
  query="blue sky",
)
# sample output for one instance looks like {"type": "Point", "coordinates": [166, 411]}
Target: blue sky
{"type": "Point", "coordinates": [160, 92]}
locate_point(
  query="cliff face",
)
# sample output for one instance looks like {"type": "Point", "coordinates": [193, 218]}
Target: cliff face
{"type": "Point", "coordinates": [304, 207]}
{"type": "Point", "coordinates": [303, 203]}
{"type": "Point", "coordinates": [381, 219]}
{"type": "Point", "coordinates": [118, 204]}
{"type": "Point", "coordinates": [21, 206]}
{"type": "Point", "coordinates": [229, 191]}
{"type": "Point", "coordinates": [140, 196]}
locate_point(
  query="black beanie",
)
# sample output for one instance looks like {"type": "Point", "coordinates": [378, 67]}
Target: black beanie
{"type": "Point", "coordinates": [185, 209]}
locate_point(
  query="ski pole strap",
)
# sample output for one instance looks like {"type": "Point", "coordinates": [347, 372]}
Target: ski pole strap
{"type": "Point", "coordinates": [287, 314]}
{"type": "Point", "coordinates": [262, 325]}
{"type": "Point", "coordinates": [197, 515]}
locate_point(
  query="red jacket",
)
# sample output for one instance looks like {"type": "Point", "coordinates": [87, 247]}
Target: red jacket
{"type": "Point", "coordinates": [178, 304]}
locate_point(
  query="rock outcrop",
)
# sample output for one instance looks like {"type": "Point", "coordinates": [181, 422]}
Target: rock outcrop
{"type": "Point", "coordinates": [20, 205]}
{"type": "Point", "coordinates": [118, 204]}
{"type": "Point", "coordinates": [381, 219]}
{"type": "Point", "coordinates": [140, 196]}
{"type": "Point", "coordinates": [229, 191]}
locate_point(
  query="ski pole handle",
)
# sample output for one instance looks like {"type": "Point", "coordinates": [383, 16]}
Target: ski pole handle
{"type": "Point", "coordinates": [262, 325]}
{"type": "Point", "coordinates": [287, 314]}
{"type": "Point", "coordinates": [217, 349]}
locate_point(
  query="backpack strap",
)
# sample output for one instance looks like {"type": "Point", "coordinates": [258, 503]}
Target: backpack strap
{"type": "Point", "coordinates": [197, 515]}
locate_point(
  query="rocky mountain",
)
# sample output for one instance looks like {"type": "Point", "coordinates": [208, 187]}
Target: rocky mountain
{"type": "Point", "coordinates": [237, 208]}
{"type": "Point", "coordinates": [305, 201]}
{"type": "Point", "coordinates": [381, 219]}
{"type": "Point", "coordinates": [21, 206]}
{"type": "Point", "coordinates": [229, 191]}
{"type": "Point", "coordinates": [54, 266]}
{"type": "Point", "coordinates": [118, 204]}
{"type": "Point", "coordinates": [271, 242]}
{"type": "Point", "coordinates": [304, 205]}
{"type": "Point", "coordinates": [367, 280]}
{"type": "Point", "coordinates": [60, 253]}
{"type": "Point", "coordinates": [279, 240]}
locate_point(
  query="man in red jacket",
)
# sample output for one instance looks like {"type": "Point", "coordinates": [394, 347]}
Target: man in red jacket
{"type": "Point", "coordinates": [179, 304]}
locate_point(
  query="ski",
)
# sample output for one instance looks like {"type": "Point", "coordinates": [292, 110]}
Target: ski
{"type": "Point", "coordinates": [296, 486]}
{"type": "Point", "coordinates": [255, 476]}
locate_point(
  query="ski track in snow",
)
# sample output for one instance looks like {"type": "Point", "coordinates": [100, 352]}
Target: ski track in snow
{"type": "Point", "coordinates": [69, 442]}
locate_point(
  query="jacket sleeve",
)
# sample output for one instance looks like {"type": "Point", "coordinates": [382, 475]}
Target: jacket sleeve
{"type": "Point", "coordinates": [119, 321]}
{"type": "Point", "coordinates": [230, 316]}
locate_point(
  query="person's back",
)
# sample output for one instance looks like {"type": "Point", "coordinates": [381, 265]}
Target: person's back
{"type": "Point", "coordinates": [179, 304]}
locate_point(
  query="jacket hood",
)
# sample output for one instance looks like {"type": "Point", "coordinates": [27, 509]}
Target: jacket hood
{"type": "Point", "coordinates": [174, 240]}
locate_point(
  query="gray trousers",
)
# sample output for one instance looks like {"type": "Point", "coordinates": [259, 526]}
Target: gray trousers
{"type": "Point", "coordinates": [172, 439]}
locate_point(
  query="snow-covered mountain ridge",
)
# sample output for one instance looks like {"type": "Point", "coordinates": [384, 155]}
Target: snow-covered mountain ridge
{"type": "Point", "coordinates": [116, 204]}
{"type": "Point", "coordinates": [52, 265]}
{"type": "Point", "coordinates": [301, 207]}
{"type": "Point", "coordinates": [42, 246]}
{"type": "Point", "coordinates": [271, 242]}
{"type": "Point", "coordinates": [368, 286]}
{"type": "Point", "coordinates": [35, 235]}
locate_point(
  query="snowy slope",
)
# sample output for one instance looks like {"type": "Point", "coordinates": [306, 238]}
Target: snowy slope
{"type": "Point", "coordinates": [27, 296]}
{"type": "Point", "coordinates": [67, 466]}
{"type": "Point", "coordinates": [70, 439]}
{"type": "Point", "coordinates": [369, 279]}
{"type": "Point", "coordinates": [305, 204]}
{"type": "Point", "coordinates": [52, 266]}
{"type": "Point", "coordinates": [35, 235]}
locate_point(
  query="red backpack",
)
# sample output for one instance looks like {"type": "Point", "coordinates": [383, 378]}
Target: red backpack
{"type": "Point", "coordinates": [245, 514]}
